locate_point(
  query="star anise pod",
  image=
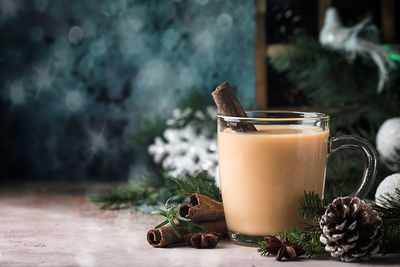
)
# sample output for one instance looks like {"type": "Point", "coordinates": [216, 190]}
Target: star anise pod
{"type": "Point", "coordinates": [202, 239]}
{"type": "Point", "coordinates": [283, 248]}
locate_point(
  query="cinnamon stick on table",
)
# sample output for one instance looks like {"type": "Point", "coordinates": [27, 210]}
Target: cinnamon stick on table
{"type": "Point", "coordinates": [165, 236]}
{"type": "Point", "coordinates": [229, 105]}
{"type": "Point", "coordinates": [202, 208]}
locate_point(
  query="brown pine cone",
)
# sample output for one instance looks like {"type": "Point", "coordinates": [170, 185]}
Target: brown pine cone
{"type": "Point", "coordinates": [202, 239]}
{"type": "Point", "coordinates": [351, 229]}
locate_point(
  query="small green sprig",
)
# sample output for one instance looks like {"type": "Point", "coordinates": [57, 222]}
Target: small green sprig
{"type": "Point", "coordinates": [171, 214]}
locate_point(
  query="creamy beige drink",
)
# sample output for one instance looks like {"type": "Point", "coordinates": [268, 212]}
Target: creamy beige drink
{"type": "Point", "coordinates": [265, 173]}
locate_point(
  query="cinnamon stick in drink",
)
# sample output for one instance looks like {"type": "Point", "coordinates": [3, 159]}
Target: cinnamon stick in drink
{"type": "Point", "coordinates": [165, 236]}
{"type": "Point", "coordinates": [202, 208]}
{"type": "Point", "coordinates": [229, 105]}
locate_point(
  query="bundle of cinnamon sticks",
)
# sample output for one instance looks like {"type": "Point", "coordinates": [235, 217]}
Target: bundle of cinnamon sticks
{"type": "Point", "coordinates": [200, 210]}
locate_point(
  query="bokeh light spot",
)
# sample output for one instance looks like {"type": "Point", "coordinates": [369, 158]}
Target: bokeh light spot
{"type": "Point", "coordinates": [204, 40]}
{"type": "Point", "coordinates": [17, 93]}
{"type": "Point", "coordinates": [225, 22]}
{"type": "Point", "coordinates": [86, 63]}
{"type": "Point", "coordinates": [170, 38]}
{"type": "Point", "coordinates": [98, 48]}
{"type": "Point", "coordinates": [73, 100]}
{"type": "Point", "coordinates": [75, 35]}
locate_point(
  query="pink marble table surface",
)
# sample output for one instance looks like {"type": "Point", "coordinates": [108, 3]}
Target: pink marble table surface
{"type": "Point", "coordinates": [57, 226]}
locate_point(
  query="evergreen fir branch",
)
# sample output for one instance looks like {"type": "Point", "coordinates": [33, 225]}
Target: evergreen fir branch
{"type": "Point", "coordinates": [148, 188]}
{"type": "Point", "coordinates": [310, 66]}
{"type": "Point", "coordinates": [117, 199]}
{"type": "Point", "coordinates": [307, 238]}
{"type": "Point", "coordinates": [200, 183]}
{"type": "Point", "coordinates": [311, 206]}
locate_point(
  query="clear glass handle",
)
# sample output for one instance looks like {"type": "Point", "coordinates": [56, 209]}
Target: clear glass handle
{"type": "Point", "coordinates": [370, 159]}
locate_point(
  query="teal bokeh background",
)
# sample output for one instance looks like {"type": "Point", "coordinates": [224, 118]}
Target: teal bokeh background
{"type": "Point", "coordinates": [76, 77]}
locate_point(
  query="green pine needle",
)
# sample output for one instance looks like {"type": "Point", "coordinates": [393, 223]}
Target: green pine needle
{"type": "Point", "coordinates": [161, 224]}
{"type": "Point", "coordinates": [174, 227]}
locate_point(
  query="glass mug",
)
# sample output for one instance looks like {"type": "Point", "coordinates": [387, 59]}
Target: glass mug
{"type": "Point", "coordinates": [264, 173]}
